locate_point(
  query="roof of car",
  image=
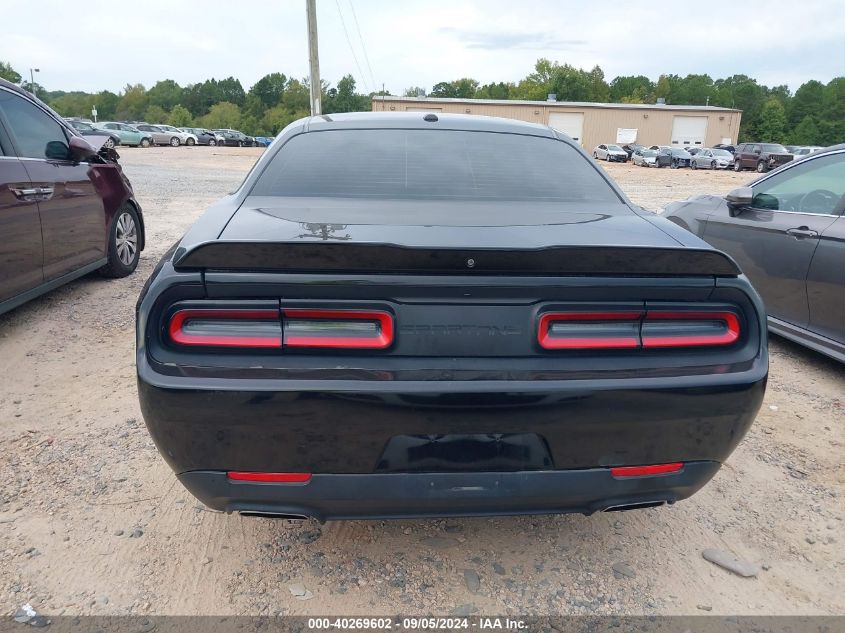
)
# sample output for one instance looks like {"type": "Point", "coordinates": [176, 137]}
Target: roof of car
{"type": "Point", "coordinates": [416, 120]}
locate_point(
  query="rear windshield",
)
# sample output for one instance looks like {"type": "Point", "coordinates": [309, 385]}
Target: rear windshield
{"type": "Point", "coordinates": [432, 164]}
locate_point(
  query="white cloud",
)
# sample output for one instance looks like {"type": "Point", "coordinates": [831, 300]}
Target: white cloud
{"type": "Point", "coordinates": [104, 45]}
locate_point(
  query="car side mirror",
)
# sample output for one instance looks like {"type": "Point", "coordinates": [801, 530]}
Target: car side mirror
{"type": "Point", "coordinates": [739, 199]}
{"type": "Point", "coordinates": [80, 150]}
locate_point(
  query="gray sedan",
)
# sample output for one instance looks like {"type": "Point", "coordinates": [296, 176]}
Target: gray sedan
{"type": "Point", "coordinates": [786, 231]}
{"type": "Point", "coordinates": [708, 158]}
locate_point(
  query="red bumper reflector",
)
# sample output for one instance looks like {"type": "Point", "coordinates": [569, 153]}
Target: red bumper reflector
{"type": "Point", "coordinates": [645, 471]}
{"type": "Point", "coordinates": [276, 478]}
{"type": "Point", "coordinates": [341, 329]}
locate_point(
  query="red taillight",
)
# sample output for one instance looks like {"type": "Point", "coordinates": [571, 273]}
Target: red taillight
{"type": "Point", "coordinates": [634, 330]}
{"type": "Point", "coordinates": [226, 328]}
{"type": "Point", "coordinates": [689, 329]}
{"type": "Point", "coordinates": [645, 471]}
{"type": "Point", "coordinates": [589, 330]}
{"type": "Point", "coordinates": [276, 478]}
{"type": "Point", "coordinates": [344, 329]}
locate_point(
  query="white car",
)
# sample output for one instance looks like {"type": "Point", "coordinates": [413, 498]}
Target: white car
{"type": "Point", "coordinates": [801, 152]}
{"type": "Point", "coordinates": [185, 138]}
{"type": "Point", "coordinates": [645, 158]}
{"type": "Point", "coordinates": [610, 153]}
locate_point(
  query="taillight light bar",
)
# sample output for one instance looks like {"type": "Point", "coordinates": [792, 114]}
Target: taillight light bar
{"type": "Point", "coordinates": [589, 330]}
{"type": "Point", "coordinates": [689, 329]}
{"type": "Point", "coordinates": [226, 328]}
{"type": "Point", "coordinates": [645, 329]}
{"type": "Point", "coordinates": [341, 329]}
{"type": "Point", "coordinates": [290, 327]}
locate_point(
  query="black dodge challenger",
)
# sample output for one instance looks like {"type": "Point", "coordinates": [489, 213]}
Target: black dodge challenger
{"type": "Point", "coordinates": [402, 315]}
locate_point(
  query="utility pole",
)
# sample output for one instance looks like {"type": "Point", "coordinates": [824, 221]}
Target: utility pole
{"type": "Point", "coordinates": [313, 56]}
{"type": "Point", "coordinates": [32, 72]}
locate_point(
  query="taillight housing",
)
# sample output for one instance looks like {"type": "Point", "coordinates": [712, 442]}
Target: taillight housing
{"type": "Point", "coordinates": [224, 327]}
{"type": "Point", "coordinates": [644, 329]}
{"type": "Point", "coordinates": [299, 328]}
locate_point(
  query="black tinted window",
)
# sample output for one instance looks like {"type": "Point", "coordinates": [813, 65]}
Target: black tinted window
{"type": "Point", "coordinates": [32, 128]}
{"type": "Point", "coordinates": [428, 164]}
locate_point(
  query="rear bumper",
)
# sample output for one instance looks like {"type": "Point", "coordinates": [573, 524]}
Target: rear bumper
{"type": "Point", "coordinates": [405, 495]}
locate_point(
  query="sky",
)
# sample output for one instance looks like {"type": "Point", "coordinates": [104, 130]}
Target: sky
{"type": "Point", "coordinates": [98, 45]}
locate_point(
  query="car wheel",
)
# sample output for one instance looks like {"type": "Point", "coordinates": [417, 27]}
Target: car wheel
{"type": "Point", "coordinates": [212, 143]}
{"type": "Point", "coordinates": [712, 164]}
{"type": "Point", "coordinates": [595, 155]}
{"type": "Point", "coordinates": [175, 142]}
{"type": "Point", "coordinates": [123, 243]}
{"type": "Point", "coordinates": [737, 166]}
{"type": "Point", "coordinates": [673, 164]}
{"type": "Point", "coordinates": [693, 164]}
{"type": "Point", "coordinates": [190, 141]}
{"type": "Point", "coordinates": [145, 142]}
{"type": "Point", "coordinates": [761, 167]}
{"type": "Point", "coordinates": [109, 143]}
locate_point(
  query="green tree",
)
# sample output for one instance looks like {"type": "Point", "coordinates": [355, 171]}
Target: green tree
{"type": "Point", "coordinates": [297, 97]}
{"type": "Point", "coordinates": [599, 90]}
{"type": "Point", "coordinates": [106, 102]}
{"type": "Point", "coordinates": [269, 89]}
{"type": "Point", "coordinates": [222, 115]}
{"type": "Point", "coordinates": [443, 89]}
{"type": "Point", "coordinates": [807, 101]}
{"type": "Point", "coordinates": [772, 124]}
{"type": "Point", "coordinates": [500, 90]}
{"type": "Point", "coordinates": [165, 94]}
{"type": "Point", "coordinates": [133, 103]}
{"type": "Point", "coordinates": [230, 90]}
{"type": "Point", "coordinates": [8, 73]}
{"type": "Point", "coordinates": [414, 91]}
{"type": "Point", "coordinates": [155, 114]}
{"type": "Point", "coordinates": [832, 119]}
{"type": "Point", "coordinates": [692, 90]}
{"type": "Point", "coordinates": [807, 132]}
{"type": "Point", "coordinates": [632, 89]}
{"type": "Point", "coordinates": [345, 99]}
{"type": "Point", "coordinates": [180, 116]}
{"type": "Point", "coordinates": [570, 83]}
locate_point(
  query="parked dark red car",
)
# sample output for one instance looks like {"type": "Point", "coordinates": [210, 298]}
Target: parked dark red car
{"type": "Point", "coordinates": [65, 209]}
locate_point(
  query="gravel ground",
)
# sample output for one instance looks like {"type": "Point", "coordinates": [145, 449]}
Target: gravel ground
{"type": "Point", "coordinates": [93, 522]}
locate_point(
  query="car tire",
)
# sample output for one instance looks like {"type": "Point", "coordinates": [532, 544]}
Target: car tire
{"type": "Point", "coordinates": [737, 166]}
{"type": "Point", "coordinates": [212, 143]}
{"type": "Point", "coordinates": [712, 164]}
{"type": "Point", "coordinates": [761, 167]}
{"type": "Point", "coordinates": [693, 164]}
{"type": "Point", "coordinates": [190, 142]}
{"type": "Point", "coordinates": [109, 143]}
{"type": "Point", "coordinates": [175, 142]}
{"type": "Point", "coordinates": [124, 242]}
{"type": "Point", "coordinates": [595, 156]}
{"type": "Point", "coordinates": [673, 164]}
{"type": "Point", "coordinates": [145, 142]}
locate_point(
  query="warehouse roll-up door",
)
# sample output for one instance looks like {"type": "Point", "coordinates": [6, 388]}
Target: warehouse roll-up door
{"type": "Point", "coordinates": [570, 123]}
{"type": "Point", "coordinates": [689, 130]}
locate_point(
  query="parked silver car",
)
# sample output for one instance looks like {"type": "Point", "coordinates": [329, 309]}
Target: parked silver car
{"type": "Point", "coordinates": [709, 158]}
{"type": "Point", "coordinates": [160, 136]}
{"type": "Point", "coordinates": [786, 230]}
{"type": "Point", "coordinates": [645, 158]}
{"type": "Point", "coordinates": [610, 153]}
{"type": "Point", "coordinates": [801, 152]}
{"type": "Point", "coordinates": [186, 138]}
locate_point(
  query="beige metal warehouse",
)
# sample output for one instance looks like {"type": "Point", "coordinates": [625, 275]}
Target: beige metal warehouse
{"type": "Point", "coordinates": [593, 123]}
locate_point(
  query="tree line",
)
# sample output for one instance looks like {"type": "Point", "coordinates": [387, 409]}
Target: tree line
{"type": "Point", "coordinates": [813, 115]}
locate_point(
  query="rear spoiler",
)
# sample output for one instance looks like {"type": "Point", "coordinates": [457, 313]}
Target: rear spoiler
{"type": "Point", "coordinates": [349, 258]}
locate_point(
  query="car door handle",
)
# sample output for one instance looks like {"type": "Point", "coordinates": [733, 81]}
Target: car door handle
{"type": "Point", "coordinates": [801, 232]}
{"type": "Point", "coordinates": [45, 193]}
{"type": "Point", "coordinates": [25, 193]}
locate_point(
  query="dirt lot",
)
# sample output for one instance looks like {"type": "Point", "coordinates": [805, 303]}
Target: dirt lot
{"type": "Point", "coordinates": [93, 522]}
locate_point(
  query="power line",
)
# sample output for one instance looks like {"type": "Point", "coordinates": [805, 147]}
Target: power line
{"type": "Point", "coordinates": [363, 46]}
{"type": "Point", "coordinates": [352, 50]}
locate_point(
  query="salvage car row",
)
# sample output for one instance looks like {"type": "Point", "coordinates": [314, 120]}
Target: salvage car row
{"type": "Point", "coordinates": [761, 157]}
{"type": "Point", "coordinates": [146, 134]}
